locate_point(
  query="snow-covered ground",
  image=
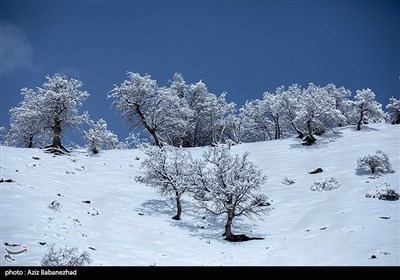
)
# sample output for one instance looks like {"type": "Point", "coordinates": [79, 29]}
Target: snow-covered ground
{"type": "Point", "coordinates": [128, 223]}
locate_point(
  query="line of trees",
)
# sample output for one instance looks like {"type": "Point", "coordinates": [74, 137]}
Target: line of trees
{"type": "Point", "coordinates": [188, 115]}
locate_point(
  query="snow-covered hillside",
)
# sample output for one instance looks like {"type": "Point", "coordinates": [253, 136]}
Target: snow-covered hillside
{"type": "Point", "coordinates": [128, 223]}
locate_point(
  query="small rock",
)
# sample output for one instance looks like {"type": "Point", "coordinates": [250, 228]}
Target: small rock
{"type": "Point", "coordinates": [36, 157]}
{"type": "Point", "coordinates": [6, 181]}
{"type": "Point", "coordinates": [91, 248]}
{"type": "Point", "coordinates": [318, 170]}
{"type": "Point", "coordinates": [140, 214]}
{"type": "Point", "coordinates": [11, 245]}
{"type": "Point", "coordinates": [86, 201]}
{"type": "Point", "coordinates": [323, 228]}
{"type": "Point", "coordinates": [385, 218]}
{"type": "Point", "coordinates": [373, 257]}
{"type": "Point", "coordinates": [42, 243]}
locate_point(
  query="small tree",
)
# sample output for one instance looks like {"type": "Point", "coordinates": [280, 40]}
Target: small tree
{"type": "Point", "coordinates": [65, 257]}
{"type": "Point", "coordinates": [394, 110]}
{"type": "Point", "coordinates": [230, 186]}
{"type": "Point", "coordinates": [168, 169]}
{"type": "Point", "coordinates": [99, 137]}
{"type": "Point", "coordinates": [378, 162]}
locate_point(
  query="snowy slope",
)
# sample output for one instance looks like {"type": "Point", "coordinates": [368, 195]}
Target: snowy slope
{"type": "Point", "coordinates": [128, 223]}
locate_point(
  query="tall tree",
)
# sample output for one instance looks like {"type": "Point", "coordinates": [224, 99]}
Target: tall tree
{"type": "Point", "coordinates": [316, 108]}
{"type": "Point", "coordinates": [290, 101]}
{"type": "Point", "coordinates": [394, 110]}
{"type": "Point", "coordinates": [229, 185]}
{"type": "Point", "coordinates": [62, 99]}
{"type": "Point", "coordinates": [51, 107]}
{"type": "Point", "coordinates": [27, 128]}
{"type": "Point", "coordinates": [367, 107]}
{"type": "Point", "coordinates": [145, 105]}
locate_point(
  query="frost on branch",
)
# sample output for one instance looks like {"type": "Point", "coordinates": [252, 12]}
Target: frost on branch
{"type": "Point", "coordinates": [98, 137]}
{"type": "Point", "coordinates": [65, 257]}
{"type": "Point", "coordinates": [377, 163]}
{"type": "Point", "coordinates": [326, 184]}
{"type": "Point", "coordinates": [168, 169]}
{"type": "Point", "coordinates": [383, 192]}
{"type": "Point", "coordinates": [45, 112]}
{"type": "Point", "coordinates": [288, 181]}
{"type": "Point", "coordinates": [367, 107]}
{"type": "Point", "coordinates": [230, 185]}
{"type": "Point", "coordinates": [394, 110]}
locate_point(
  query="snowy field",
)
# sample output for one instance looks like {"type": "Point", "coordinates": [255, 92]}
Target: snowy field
{"type": "Point", "coordinates": [128, 223]}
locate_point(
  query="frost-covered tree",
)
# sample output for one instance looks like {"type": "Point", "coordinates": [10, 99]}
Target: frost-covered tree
{"type": "Point", "coordinates": [27, 127]}
{"type": "Point", "coordinates": [60, 100]}
{"type": "Point", "coordinates": [229, 185]}
{"type": "Point", "coordinates": [145, 105]}
{"type": "Point", "coordinates": [317, 108]}
{"type": "Point", "coordinates": [290, 102]}
{"type": "Point", "coordinates": [211, 116]}
{"type": "Point", "coordinates": [168, 169]}
{"type": "Point", "coordinates": [273, 105]}
{"type": "Point", "coordinates": [341, 96]}
{"type": "Point", "coordinates": [48, 109]}
{"type": "Point", "coordinates": [394, 110]}
{"type": "Point", "coordinates": [134, 100]}
{"type": "Point", "coordinates": [98, 137]}
{"type": "Point", "coordinates": [179, 86]}
{"type": "Point", "coordinates": [367, 107]}
{"type": "Point", "coordinates": [65, 257]}
{"type": "Point", "coordinates": [256, 124]}
{"type": "Point", "coordinates": [378, 162]}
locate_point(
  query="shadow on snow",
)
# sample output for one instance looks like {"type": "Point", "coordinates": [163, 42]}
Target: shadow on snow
{"type": "Point", "coordinates": [195, 220]}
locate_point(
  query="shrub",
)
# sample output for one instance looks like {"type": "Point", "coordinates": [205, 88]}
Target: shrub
{"type": "Point", "coordinates": [378, 162]}
{"type": "Point", "coordinates": [55, 206]}
{"type": "Point", "coordinates": [65, 257]}
{"type": "Point", "coordinates": [326, 184]}
{"type": "Point", "coordinates": [288, 181]}
{"type": "Point", "coordinates": [383, 192]}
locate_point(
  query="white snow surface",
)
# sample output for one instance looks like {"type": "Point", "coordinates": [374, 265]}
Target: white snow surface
{"type": "Point", "coordinates": [128, 223]}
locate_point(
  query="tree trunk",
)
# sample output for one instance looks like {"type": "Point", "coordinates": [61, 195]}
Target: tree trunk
{"type": "Point", "coordinates": [360, 120]}
{"type": "Point", "coordinates": [157, 140]}
{"type": "Point", "coordinates": [310, 132]}
{"type": "Point", "coordinates": [373, 170]}
{"type": "Point", "coordinates": [228, 226]}
{"type": "Point", "coordinates": [277, 127]}
{"type": "Point", "coordinates": [300, 134]}
{"type": "Point", "coordinates": [150, 129]}
{"type": "Point", "coordinates": [30, 143]}
{"type": "Point", "coordinates": [57, 134]}
{"type": "Point", "coordinates": [178, 208]}
{"type": "Point", "coordinates": [397, 120]}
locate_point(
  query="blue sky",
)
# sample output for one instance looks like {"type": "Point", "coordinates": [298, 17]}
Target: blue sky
{"type": "Point", "coordinates": [242, 47]}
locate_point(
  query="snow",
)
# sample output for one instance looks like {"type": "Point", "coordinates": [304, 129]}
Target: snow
{"type": "Point", "coordinates": [128, 223]}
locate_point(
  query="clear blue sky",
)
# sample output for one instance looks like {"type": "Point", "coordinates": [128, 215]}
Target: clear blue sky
{"type": "Point", "coordinates": [242, 47]}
